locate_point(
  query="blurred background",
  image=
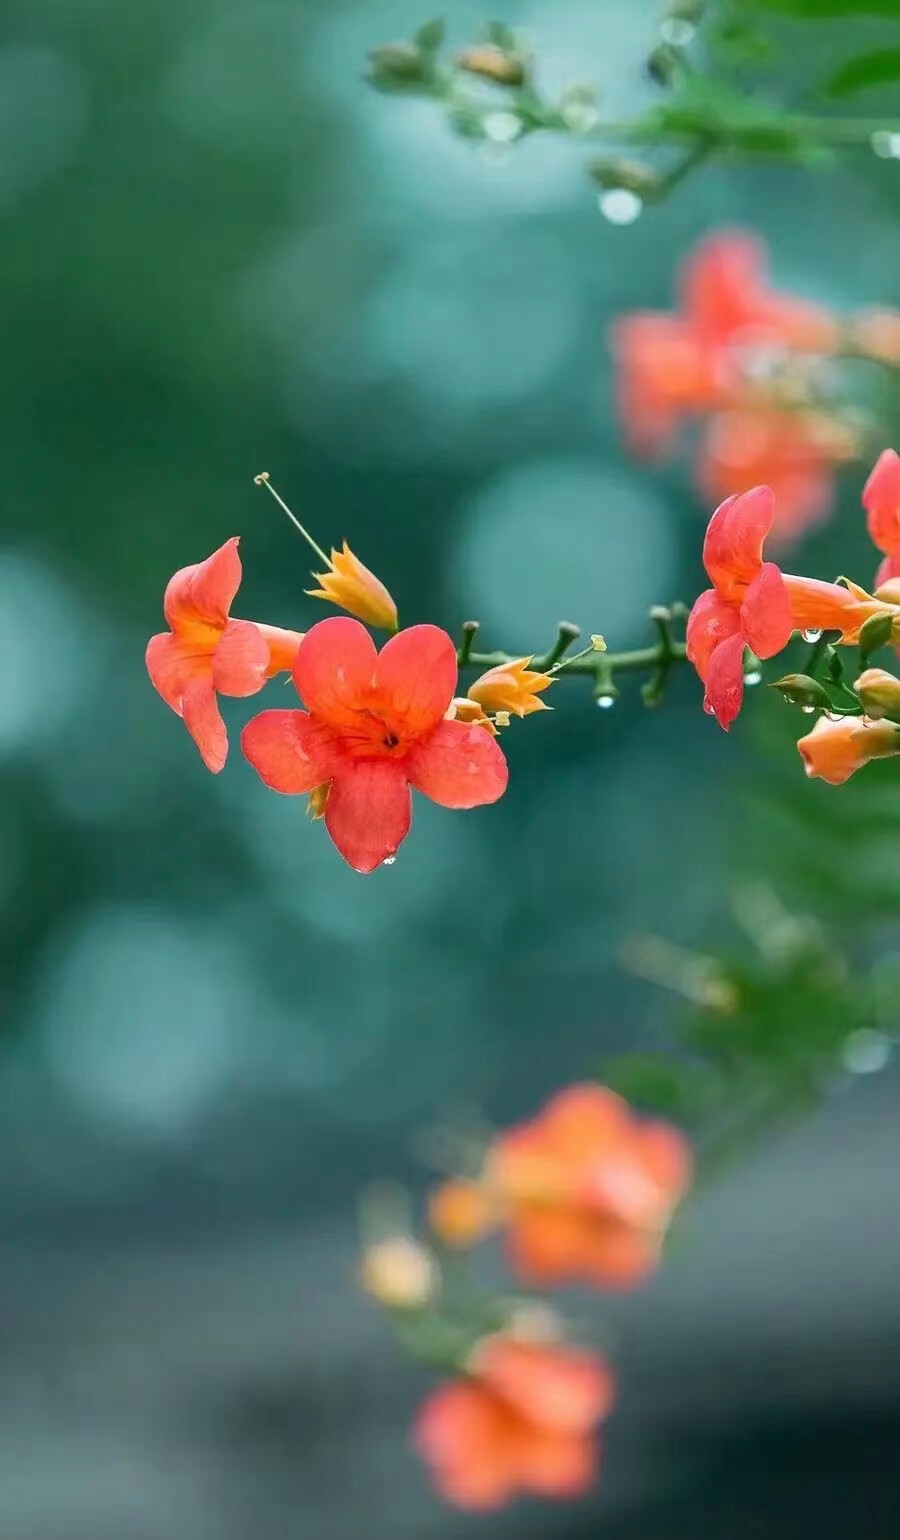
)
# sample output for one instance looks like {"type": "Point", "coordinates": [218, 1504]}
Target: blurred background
{"type": "Point", "coordinates": [221, 253]}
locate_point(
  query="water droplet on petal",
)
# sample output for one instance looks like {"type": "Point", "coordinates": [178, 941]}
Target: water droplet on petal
{"type": "Point", "coordinates": [605, 701]}
{"type": "Point", "coordinates": [677, 31]}
{"type": "Point", "coordinates": [620, 205]}
{"type": "Point", "coordinates": [753, 677]}
{"type": "Point", "coordinates": [807, 710]}
{"type": "Point", "coordinates": [812, 636]}
{"type": "Point", "coordinates": [389, 860]}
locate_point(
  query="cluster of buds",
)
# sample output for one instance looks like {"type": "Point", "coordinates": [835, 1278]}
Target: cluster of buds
{"type": "Point", "coordinates": [757, 369]}
{"type": "Point", "coordinates": [753, 607]}
{"type": "Point", "coordinates": [584, 1192]}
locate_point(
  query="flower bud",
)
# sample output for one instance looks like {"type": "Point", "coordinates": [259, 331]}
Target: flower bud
{"type": "Point", "coordinates": [803, 690]}
{"type": "Point", "coordinates": [875, 633]}
{"type": "Point", "coordinates": [315, 807]}
{"type": "Point", "coordinates": [460, 1213]}
{"type": "Point", "coordinates": [632, 175]}
{"type": "Point", "coordinates": [879, 694]}
{"type": "Point", "coordinates": [492, 63]}
{"type": "Point", "coordinates": [511, 687]}
{"type": "Point", "coordinates": [399, 1273]}
{"type": "Point", "coordinates": [461, 709]}
{"type": "Point", "coordinates": [835, 750]}
{"type": "Point", "coordinates": [355, 589]}
{"type": "Point", "coordinates": [394, 66]}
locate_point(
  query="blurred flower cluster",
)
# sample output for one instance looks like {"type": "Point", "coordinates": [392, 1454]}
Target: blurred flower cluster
{"type": "Point", "coordinates": [583, 1193]}
{"type": "Point", "coordinates": [759, 374]}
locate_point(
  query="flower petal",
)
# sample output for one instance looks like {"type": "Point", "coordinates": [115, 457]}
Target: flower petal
{"type": "Point", "coordinates": [710, 622]}
{"type": "Point", "coordinates": [334, 669]}
{"type": "Point", "coordinates": [466, 1438]}
{"type": "Point", "coordinates": [368, 812]}
{"type": "Point", "coordinates": [767, 619]}
{"type": "Point", "coordinates": [240, 661]}
{"type": "Point", "coordinates": [201, 596]}
{"type": "Point", "coordinates": [732, 550]}
{"type": "Point", "coordinates": [289, 751]}
{"type": "Point", "coordinates": [562, 1389]}
{"type": "Point", "coordinates": [881, 500]}
{"type": "Point", "coordinates": [458, 765]}
{"type": "Point", "coordinates": [725, 681]}
{"type": "Point", "coordinates": [173, 662]}
{"type": "Point", "coordinates": [719, 279]}
{"type": "Point", "coordinates": [557, 1465]}
{"type": "Point", "coordinates": [415, 678]}
{"type": "Point", "coordinates": [283, 647]}
{"type": "Point", "coordinates": [203, 721]}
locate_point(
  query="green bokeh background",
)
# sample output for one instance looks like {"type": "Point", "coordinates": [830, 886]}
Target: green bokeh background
{"type": "Point", "coordinates": [219, 253]}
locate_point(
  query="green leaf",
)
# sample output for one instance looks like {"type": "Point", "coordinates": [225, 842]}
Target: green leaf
{"type": "Point", "coordinates": [882, 67]}
{"type": "Point", "coordinates": [502, 36]}
{"type": "Point", "coordinates": [430, 35]}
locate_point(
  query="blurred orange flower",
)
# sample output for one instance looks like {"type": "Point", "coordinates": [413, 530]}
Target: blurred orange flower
{"type": "Point", "coordinates": [522, 1419]}
{"type": "Point", "coordinates": [749, 358]}
{"type": "Point", "coordinates": [793, 452]}
{"type": "Point", "coordinates": [585, 1190]}
{"type": "Point", "coordinates": [881, 500]}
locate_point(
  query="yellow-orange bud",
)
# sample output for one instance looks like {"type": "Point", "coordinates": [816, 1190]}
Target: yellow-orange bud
{"type": "Point", "coordinates": [315, 807]}
{"type": "Point", "coordinates": [511, 687]}
{"type": "Point", "coordinates": [462, 709]}
{"type": "Point", "coordinates": [355, 589]}
{"type": "Point", "coordinates": [399, 1273]}
{"type": "Point", "coordinates": [460, 1213]}
{"type": "Point", "coordinates": [879, 694]}
{"type": "Point", "coordinates": [835, 750]}
{"type": "Point", "coordinates": [492, 63]}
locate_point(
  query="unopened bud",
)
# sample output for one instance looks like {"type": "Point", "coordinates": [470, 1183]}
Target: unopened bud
{"type": "Point", "coordinates": [632, 175]}
{"type": "Point", "coordinates": [879, 694]}
{"type": "Point", "coordinates": [804, 691]}
{"type": "Point", "coordinates": [875, 633]}
{"type": "Point", "coordinates": [663, 64]}
{"type": "Point", "coordinates": [393, 66]}
{"type": "Point", "coordinates": [492, 63]}
{"type": "Point", "coordinates": [399, 1273]}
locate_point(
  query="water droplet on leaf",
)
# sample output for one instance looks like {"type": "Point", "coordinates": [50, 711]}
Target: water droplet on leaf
{"type": "Point", "coordinates": [677, 31]}
{"type": "Point", "coordinates": [866, 1052]}
{"type": "Point", "coordinates": [812, 636]}
{"type": "Point", "coordinates": [807, 710]}
{"type": "Point", "coordinates": [886, 145]}
{"type": "Point", "coordinates": [620, 206]}
{"type": "Point", "coordinates": [501, 127]}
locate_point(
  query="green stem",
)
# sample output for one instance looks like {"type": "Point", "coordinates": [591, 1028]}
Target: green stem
{"type": "Point", "coordinates": [567, 635]}
{"type": "Point", "coordinates": [633, 662]}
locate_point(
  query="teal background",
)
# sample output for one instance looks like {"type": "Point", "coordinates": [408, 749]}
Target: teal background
{"type": "Point", "coordinates": [220, 253]}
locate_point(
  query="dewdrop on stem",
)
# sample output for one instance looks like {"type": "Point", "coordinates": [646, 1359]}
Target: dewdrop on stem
{"type": "Point", "coordinates": [811, 636]}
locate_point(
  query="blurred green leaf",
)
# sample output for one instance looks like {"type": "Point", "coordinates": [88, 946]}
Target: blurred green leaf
{"type": "Point", "coordinates": [817, 10]}
{"type": "Point", "coordinates": [684, 1090]}
{"type": "Point", "coordinates": [430, 35]}
{"type": "Point", "coordinates": [881, 67]}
